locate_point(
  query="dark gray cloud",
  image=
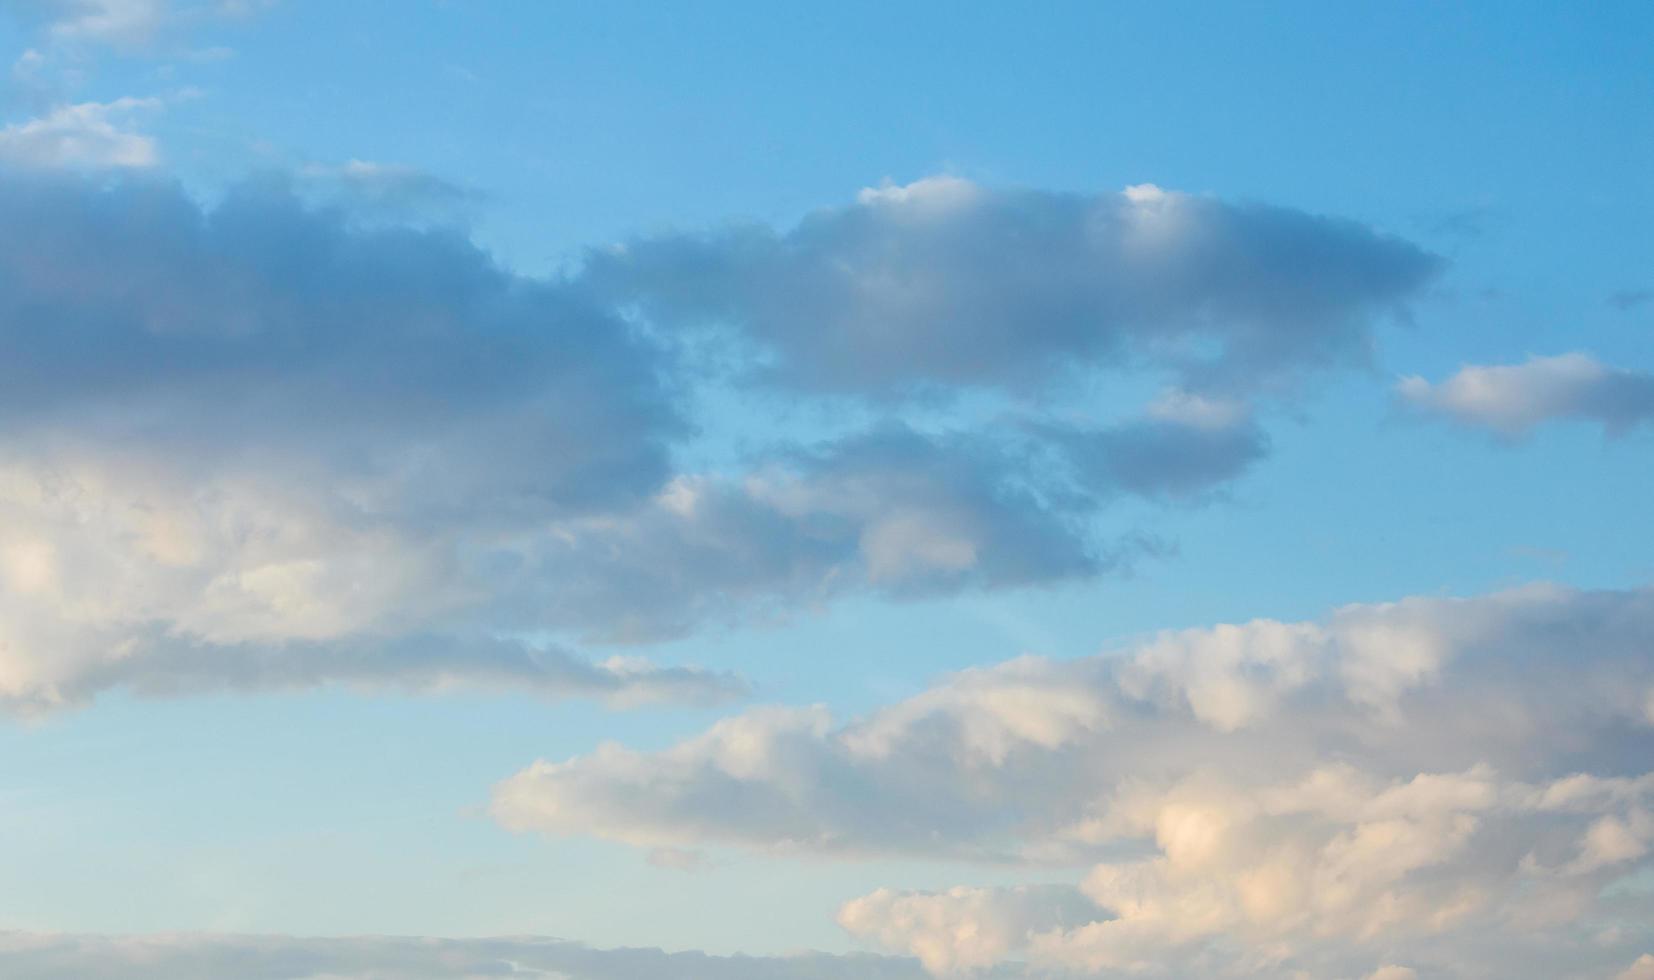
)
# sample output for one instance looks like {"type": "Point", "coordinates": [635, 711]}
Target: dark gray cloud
{"type": "Point", "coordinates": [943, 282]}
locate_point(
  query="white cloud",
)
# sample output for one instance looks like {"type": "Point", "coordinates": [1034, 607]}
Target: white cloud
{"type": "Point", "coordinates": [124, 23]}
{"type": "Point", "coordinates": [1269, 796]}
{"type": "Point", "coordinates": [1643, 969]}
{"type": "Point", "coordinates": [1512, 400]}
{"type": "Point", "coordinates": [93, 135]}
{"type": "Point", "coordinates": [963, 930]}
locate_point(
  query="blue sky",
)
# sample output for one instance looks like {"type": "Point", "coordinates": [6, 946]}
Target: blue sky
{"type": "Point", "coordinates": [381, 370]}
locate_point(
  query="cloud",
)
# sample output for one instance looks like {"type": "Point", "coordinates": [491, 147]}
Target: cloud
{"type": "Point", "coordinates": [1452, 775]}
{"type": "Point", "coordinates": [963, 930]}
{"type": "Point", "coordinates": [122, 23]}
{"type": "Point", "coordinates": [1630, 299]}
{"type": "Point", "coordinates": [51, 956]}
{"type": "Point", "coordinates": [164, 666]}
{"type": "Point", "coordinates": [1184, 446]}
{"type": "Point", "coordinates": [110, 21]}
{"type": "Point", "coordinates": [1643, 969]}
{"type": "Point", "coordinates": [893, 511]}
{"type": "Point", "coordinates": [944, 282]}
{"type": "Point", "coordinates": [257, 428]}
{"type": "Point", "coordinates": [1512, 400]}
{"type": "Point", "coordinates": [90, 135]}
{"type": "Point", "coordinates": [387, 190]}
{"type": "Point", "coordinates": [265, 443]}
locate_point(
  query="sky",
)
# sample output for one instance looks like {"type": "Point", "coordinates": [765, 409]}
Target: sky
{"type": "Point", "coordinates": [904, 490]}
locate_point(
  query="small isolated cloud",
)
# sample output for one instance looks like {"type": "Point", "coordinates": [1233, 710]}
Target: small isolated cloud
{"type": "Point", "coordinates": [85, 135]}
{"type": "Point", "coordinates": [387, 189]}
{"type": "Point", "coordinates": [944, 282]}
{"type": "Point", "coordinates": [1447, 775]}
{"type": "Point", "coordinates": [1630, 299]}
{"type": "Point", "coordinates": [1512, 400]}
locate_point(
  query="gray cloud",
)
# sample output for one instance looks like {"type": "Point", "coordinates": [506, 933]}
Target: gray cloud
{"type": "Point", "coordinates": [1630, 299]}
{"type": "Point", "coordinates": [895, 511]}
{"type": "Point", "coordinates": [388, 191]}
{"type": "Point", "coordinates": [1182, 448]}
{"type": "Point", "coordinates": [1512, 400]}
{"type": "Point", "coordinates": [265, 444]}
{"type": "Point", "coordinates": [943, 282]}
{"type": "Point", "coordinates": [263, 431]}
{"type": "Point", "coordinates": [45, 956]}
{"type": "Point", "coordinates": [161, 666]}
{"type": "Point", "coordinates": [1441, 775]}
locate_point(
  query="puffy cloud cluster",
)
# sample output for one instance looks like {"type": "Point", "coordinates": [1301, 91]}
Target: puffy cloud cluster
{"type": "Point", "coordinates": [1511, 400]}
{"type": "Point", "coordinates": [945, 282]}
{"type": "Point", "coordinates": [268, 443]}
{"type": "Point", "coordinates": [1467, 780]}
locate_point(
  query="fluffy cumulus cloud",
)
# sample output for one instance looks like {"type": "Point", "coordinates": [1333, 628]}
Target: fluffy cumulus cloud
{"type": "Point", "coordinates": [257, 429]}
{"type": "Point", "coordinates": [267, 443]}
{"type": "Point", "coordinates": [40, 956]}
{"type": "Point", "coordinates": [1511, 400]}
{"type": "Point", "coordinates": [1462, 781]}
{"type": "Point", "coordinates": [90, 135]}
{"type": "Point", "coordinates": [944, 282]}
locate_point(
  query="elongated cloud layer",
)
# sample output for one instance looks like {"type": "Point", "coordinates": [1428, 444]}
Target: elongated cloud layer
{"type": "Point", "coordinates": [266, 444]}
{"type": "Point", "coordinates": [42, 956]}
{"type": "Point", "coordinates": [1512, 400]}
{"type": "Point", "coordinates": [1459, 778]}
{"type": "Point", "coordinates": [946, 282]}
